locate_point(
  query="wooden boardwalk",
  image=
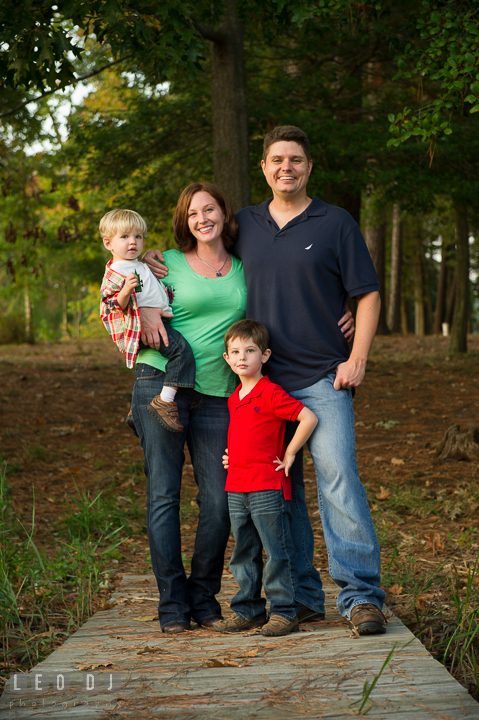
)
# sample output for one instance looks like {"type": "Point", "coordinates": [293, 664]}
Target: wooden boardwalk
{"type": "Point", "coordinates": [314, 674]}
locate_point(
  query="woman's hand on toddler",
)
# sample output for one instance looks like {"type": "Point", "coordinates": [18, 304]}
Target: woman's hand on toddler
{"type": "Point", "coordinates": [285, 463]}
{"type": "Point", "coordinates": [226, 460]}
{"type": "Point", "coordinates": [154, 259]}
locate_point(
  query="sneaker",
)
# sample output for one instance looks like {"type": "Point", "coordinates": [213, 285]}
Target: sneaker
{"type": "Point", "coordinates": [238, 624]}
{"type": "Point", "coordinates": [129, 422]}
{"type": "Point", "coordinates": [166, 413]}
{"type": "Point", "coordinates": [307, 615]}
{"type": "Point", "coordinates": [367, 619]}
{"type": "Point", "coordinates": [278, 625]}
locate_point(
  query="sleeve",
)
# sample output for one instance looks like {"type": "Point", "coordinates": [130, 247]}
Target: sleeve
{"type": "Point", "coordinates": [356, 266]}
{"type": "Point", "coordinates": [285, 406]}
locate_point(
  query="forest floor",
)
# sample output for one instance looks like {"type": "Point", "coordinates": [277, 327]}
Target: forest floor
{"type": "Point", "coordinates": [64, 441]}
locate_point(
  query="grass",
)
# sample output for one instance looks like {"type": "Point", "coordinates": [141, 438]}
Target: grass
{"type": "Point", "coordinates": [44, 598]}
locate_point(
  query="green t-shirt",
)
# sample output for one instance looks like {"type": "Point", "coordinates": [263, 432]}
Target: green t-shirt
{"type": "Point", "coordinates": [203, 308]}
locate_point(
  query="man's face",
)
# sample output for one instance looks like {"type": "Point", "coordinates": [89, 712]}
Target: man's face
{"type": "Point", "coordinates": [286, 168]}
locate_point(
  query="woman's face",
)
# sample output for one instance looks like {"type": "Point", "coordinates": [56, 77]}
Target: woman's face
{"type": "Point", "coordinates": [205, 218]}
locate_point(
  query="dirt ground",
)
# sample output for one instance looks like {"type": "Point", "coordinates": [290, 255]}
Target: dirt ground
{"type": "Point", "coordinates": [63, 412]}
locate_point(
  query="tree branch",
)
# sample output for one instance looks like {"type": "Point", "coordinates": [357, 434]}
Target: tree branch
{"type": "Point", "coordinates": [74, 81]}
{"type": "Point", "coordinates": [208, 33]}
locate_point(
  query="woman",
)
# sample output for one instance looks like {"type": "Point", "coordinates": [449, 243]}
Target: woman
{"type": "Point", "coordinates": [209, 295]}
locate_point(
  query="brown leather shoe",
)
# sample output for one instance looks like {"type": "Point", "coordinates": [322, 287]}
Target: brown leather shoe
{"type": "Point", "coordinates": [238, 624]}
{"type": "Point", "coordinates": [209, 622]}
{"type": "Point", "coordinates": [175, 628]}
{"type": "Point", "coordinates": [129, 422]}
{"type": "Point", "coordinates": [166, 413]}
{"type": "Point", "coordinates": [277, 626]}
{"type": "Point", "coordinates": [307, 615]}
{"type": "Point", "coordinates": [367, 619]}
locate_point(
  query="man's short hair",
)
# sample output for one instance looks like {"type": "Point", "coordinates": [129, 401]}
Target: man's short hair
{"type": "Point", "coordinates": [185, 240]}
{"type": "Point", "coordinates": [120, 221]}
{"type": "Point", "coordinates": [246, 329]}
{"type": "Point", "coordinates": [287, 133]}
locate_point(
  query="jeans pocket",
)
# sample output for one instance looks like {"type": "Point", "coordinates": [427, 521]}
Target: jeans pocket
{"type": "Point", "coordinates": [147, 372]}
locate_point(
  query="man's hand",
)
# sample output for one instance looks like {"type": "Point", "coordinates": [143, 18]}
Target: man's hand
{"type": "Point", "coordinates": [152, 327]}
{"type": "Point", "coordinates": [225, 460]}
{"type": "Point", "coordinates": [285, 464]}
{"type": "Point", "coordinates": [347, 325]}
{"type": "Point", "coordinates": [154, 260]}
{"type": "Point", "coordinates": [349, 374]}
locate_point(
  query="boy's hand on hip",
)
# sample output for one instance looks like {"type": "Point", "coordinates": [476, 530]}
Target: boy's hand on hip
{"type": "Point", "coordinates": [154, 259]}
{"type": "Point", "coordinates": [152, 327]}
{"type": "Point", "coordinates": [226, 460]}
{"type": "Point", "coordinates": [349, 374]}
{"type": "Point", "coordinates": [285, 464]}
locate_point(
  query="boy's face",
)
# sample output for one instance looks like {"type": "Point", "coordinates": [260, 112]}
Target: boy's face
{"type": "Point", "coordinates": [126, 245]}
{"type": "Point", "coordinates": [245, 358]}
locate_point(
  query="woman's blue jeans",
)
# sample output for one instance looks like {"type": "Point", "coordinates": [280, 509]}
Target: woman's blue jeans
{"type": "Point", "coordinates": [353, 548]}
{"type": "Point", "coordinates": [205, 420]}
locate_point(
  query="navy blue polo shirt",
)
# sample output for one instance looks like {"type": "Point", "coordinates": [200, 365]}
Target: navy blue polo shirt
{"type": "Point", "coordinates": [298, 279]}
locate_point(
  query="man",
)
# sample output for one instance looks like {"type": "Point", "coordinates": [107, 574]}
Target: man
{"type": "Point", "coordinates": [302, 258]}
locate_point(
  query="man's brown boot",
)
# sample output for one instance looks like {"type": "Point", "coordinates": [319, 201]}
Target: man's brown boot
{"type": "Point", "coordinates": [166, 413]}
{"type": "Point", "coordinates": [367, 619]}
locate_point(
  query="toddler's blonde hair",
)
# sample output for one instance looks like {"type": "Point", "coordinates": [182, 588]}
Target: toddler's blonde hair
{"type": "Point", "coordinates": [119, 220]}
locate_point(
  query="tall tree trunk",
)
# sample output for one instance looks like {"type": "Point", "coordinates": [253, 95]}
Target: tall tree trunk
{"type": "Point", "coordinates": [394, 309]}
{"type": "Point", "coordinates": [418, 273]}
{"type": "Point", "coordinates": [64, 310]}
{"type": "Point", "coordinates": [441, 291]}
{"type": "Point", "coordinates": [375, 236]}
{"type": "Point", "coordinates": [28, 316]}
{"type": "Point", "coordinates": [404, 313]}
{"type": "Point", "coordinates": [229, 107]}
{"type": "Point", "coordinates": [451, 300]}
{"type": "Point", "coordinates": [458, 342]}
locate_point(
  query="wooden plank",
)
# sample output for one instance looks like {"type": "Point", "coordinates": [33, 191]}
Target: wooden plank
{"type": "Point", "coordinates": [316, 673]}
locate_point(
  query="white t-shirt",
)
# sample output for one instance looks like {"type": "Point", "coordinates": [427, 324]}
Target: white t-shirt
{"type": "Point", "coordinates": [152, 290]}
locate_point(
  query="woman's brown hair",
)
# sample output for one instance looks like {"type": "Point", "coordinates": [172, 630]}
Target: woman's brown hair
{"type": "Point", "coordinates": [185, 240]}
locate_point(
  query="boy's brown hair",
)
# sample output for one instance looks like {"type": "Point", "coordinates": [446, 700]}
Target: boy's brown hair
{"type": "Point", "coordinates": [288, 133]}
{"type": "Point", "coordinates": [246, 329]}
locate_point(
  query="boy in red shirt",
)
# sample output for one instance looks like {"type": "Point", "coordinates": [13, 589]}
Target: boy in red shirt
{"type": "Point", "coordinates": [259, 486]}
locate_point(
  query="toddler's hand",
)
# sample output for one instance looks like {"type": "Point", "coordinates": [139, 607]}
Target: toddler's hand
{"type": "Point", "coordinates": [285, 464]}
{"type": "Point", "coordinates": [226, 460]}
{"type": "Point", "coordinates": [131, 283]}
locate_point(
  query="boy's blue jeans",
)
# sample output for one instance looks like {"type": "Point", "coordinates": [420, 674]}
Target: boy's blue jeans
{"type": "Point", "coordinates": [353, 548]}
{"type": "Point", "coordinates": [181, 367]}
{"type": "Point", "coordinates": [262, 520]}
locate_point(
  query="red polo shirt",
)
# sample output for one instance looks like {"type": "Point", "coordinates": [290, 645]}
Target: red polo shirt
{"type": "Point", "coordinates": [256, 438]}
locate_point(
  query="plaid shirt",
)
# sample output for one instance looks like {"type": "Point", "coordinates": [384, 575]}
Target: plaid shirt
{"type": "Point", "coordinates": [124, 327]}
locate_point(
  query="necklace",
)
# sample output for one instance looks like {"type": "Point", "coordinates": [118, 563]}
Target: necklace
{"type": "Point", "coordinates": [218, 272]}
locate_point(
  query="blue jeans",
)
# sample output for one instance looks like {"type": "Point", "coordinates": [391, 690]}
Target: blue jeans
{"type": "Point", "coordinates": [260, 520]}
{"type": "Point", "coordinates": [353, 548]}
{"type": "Point", "coordinates": [180, 369]}
{"type": "Point", "coordinates": [205, 420]}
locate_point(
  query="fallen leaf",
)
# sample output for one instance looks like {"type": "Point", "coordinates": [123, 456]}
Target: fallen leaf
{"type": "Point", "coordinates": [250, 653]}
{"type": "Point", "coordinates": [146, 618]}
{"type": "Point", "coordinates": [424, 599]}
{"type": "Point", "coordinates": [395, 589]}
{"type": "Point", "coordinates": [93, 666]}
{"type": "Point", "coordinates": [384, 494]}
{"type": "Point", "coordinates": [397, 461]}
{"type": "Point", "coordinates": [150, 650]}
{"type": "Point", "coordinates": [221, 662]}
{"type": "Point", "coordinates": [433, 542]}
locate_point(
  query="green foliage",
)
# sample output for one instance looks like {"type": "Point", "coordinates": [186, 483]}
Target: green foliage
{"type": "Point", "coordinates": [444, 53]}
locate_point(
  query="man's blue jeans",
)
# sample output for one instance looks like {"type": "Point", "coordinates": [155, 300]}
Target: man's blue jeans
{"type": "Point", "coordinates": [353, 548]}
{"type": "Point", "coordinates": [205, 420]}
{"type": "Point", "coordinates": [262, 519]}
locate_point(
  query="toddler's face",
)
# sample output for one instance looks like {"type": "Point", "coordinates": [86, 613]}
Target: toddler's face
{"type": "Point", "coordinates": [126, 245]}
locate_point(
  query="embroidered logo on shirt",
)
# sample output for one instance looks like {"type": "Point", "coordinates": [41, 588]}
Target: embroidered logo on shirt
{"type": "Point", "coordinates": [309, 247]}
{"type": "Point", "coordinates": [257, 409]}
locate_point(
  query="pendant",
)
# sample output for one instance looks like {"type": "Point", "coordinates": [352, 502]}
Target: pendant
{"type": "Point", "coordinates": [218, 274]}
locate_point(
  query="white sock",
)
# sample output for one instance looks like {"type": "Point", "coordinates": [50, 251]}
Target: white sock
{"type": "Point", "coordinates": [168, 393]}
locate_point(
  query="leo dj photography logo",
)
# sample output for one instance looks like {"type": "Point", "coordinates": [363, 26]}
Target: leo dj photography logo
{"type": "Point", "coordinates": [50, 689]}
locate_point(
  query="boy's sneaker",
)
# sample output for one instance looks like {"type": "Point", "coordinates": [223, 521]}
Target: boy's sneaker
{"type": "Point", "coordinates": [166, 413]}
{"type": "Point", "coordinates": [238, 624]}
{"type": "Point", "coordinates": [129, 422]}
{"type": "Point", "coordinates": [367, 619]}
{"type": "Point", "coordinates": [278, 625]}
